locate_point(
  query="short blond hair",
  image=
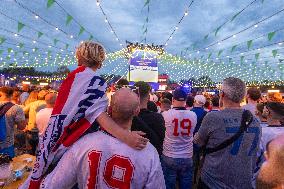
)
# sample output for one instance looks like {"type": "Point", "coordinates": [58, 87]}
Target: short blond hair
{"type": "Point", "coordinates": [90, 54]}
{"type": "Point", "coordinates": [275, 97]}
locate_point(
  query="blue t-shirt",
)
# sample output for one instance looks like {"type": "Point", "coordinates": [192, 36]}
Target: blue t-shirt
{"type": "Point", "coordinates": [200, 113]}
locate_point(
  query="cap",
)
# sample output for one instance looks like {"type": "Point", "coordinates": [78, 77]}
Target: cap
{"type": "Point", "coordinates": [200, 99]}
{"type": "Point", "coordinates": [179, 94]}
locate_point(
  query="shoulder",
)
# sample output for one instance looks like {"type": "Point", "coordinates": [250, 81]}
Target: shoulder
{"type": "Point", "coordinates": [95, 138]}
{"type": "Point", "coordinates": [16, 108]}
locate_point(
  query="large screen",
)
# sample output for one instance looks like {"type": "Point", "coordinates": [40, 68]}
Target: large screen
{"type": "Point", "coordinates": [143, 66]}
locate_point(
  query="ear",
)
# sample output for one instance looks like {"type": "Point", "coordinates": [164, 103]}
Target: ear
{"type": "Point", "coordinates": [136, 112]}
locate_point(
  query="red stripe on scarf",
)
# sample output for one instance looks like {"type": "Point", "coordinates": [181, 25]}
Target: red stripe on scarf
{"type": "Point", "coordinates": [65, 90]}
{"type": "Point", "coordinates": [34, 184]}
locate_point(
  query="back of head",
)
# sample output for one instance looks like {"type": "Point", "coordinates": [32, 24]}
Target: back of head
{"type": "Point", "coordinates": [234, 89]}
{"type": "Point", "coordinates": [190, 101]}
{"type": "Point", "coordinates": [90, 54]}
{"type": "Point", "coordinates": [32, 97]}
{"type": "Point", "coordinates": [274, 97]}
{"type": "Point", "coordinates": [166, 102]}
{"type": "Point", "coordinates": [122, 82]}
{"type": "Point", "coordinates": [42, 94]}
{"type": "Point", "coordinates": [168, 95]}
{"type": "Point", "coordinates": [50, 99]}
{"type": "Point", "coordinates": [179, 94]}
{"type": "Point", "coordinates": [276, 109]}
{"type": "Point", "coordinates": [215, 101]}
{"type": "Point", "coordinates": [152, 106]}
{"type": "Point", "coordinates": [254, 94]}
{"type": "Point", "coordinates": [199, 100]}
{"type": "Point", "coordinates": [144, 89]}
{"type": "Point", "coordinates": [123, 109]}
{"type": "Point", "coordinates": [8, 91]}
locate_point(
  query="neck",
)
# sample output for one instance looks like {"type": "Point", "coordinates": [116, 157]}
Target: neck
{"type": "Point", "coordinates": [273, 122]}
{"type": "Point", "coordinates": [49, 105]}
{"type": "Point", "coordinates": [143, 104]}
{"type": "Point", "coordinates": [179, 104]}
{"type": "Point", "coordinates": [126, 125]}
{"type": "Point", "coordinates": [250, 101]}
{"type": "Point", "coordinates": [230, 104]}
{"type": "Point", "coordinates": [94, 68]}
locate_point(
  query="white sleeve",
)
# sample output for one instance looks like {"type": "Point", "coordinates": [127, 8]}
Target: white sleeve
{"type": "Point", "coordinates": [156, 176]}
{"type": "Point", "coordinates": [64, 174]}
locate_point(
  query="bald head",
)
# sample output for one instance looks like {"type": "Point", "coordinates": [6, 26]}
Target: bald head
{"type": "Point", "coordinates": [124, 105]}
{"type": "Point", "coordinates": [272, 170]}
{"type": "Point", "coordinates": [50, 99]}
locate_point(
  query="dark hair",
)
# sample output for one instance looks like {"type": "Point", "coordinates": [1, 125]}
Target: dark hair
{"type": "Point", "coordinates": [166, 101]}
{"type": "Point", "coordinates": [254, 93]}
{"type": "Point", "coordinates": [207, 104]}
{"type": "Point", "coordinates": [190, 101]}
{"type": "Point", "coordinates": [168, 96]}
{"type": "Point", "coordinates": [152, 106]}
{"type": "Point", "coordinates": [122, 82]}
{"type": "Point", "coordinates": [215, 101]}
{"type": "Point", "coordinates": [144, 88]}
{"type": "Point", "coordinates": [276, 107]}
{"type": "Point", "coordinates": [7, 90]}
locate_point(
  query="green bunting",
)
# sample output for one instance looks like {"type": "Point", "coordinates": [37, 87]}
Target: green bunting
{"type": "Point", "coordinates": [91, 37]}
{"type": "Point", "coordinates": [82, 29]}
{"type": "Point", "coordinates": [209, 56]}
{"type": "Point", "coordinates": [274, 53]}
{"type": "Point", "coordinates": [68, 19]}
{"type": "Point", "coordinates": [1, 51]}
{"type": "Point", "coordinates": [206, 37]}
{"type": "Point", "coordinates": [145, 31]}
{"type": "Point", "coordinates": [270, 35]}
{"type": "Point", "coordinates": [256, 56]}
{"type": "Point", "coordinates": [217, 30]}
{"type": "Point", "coordinates": [66, 46]}
{"type": "Point", "coordinates": [249, 44]}
{"type": "Point", "coordinates": [2, 40]}
{"type": "Point", "coordinates": [20, 26]}
{"type": "Point", "coordinates": [242, 59]}
{"type": "Point", "coordinates": [146, 3]}
{"type": "Point", "coordinates": [21, 45]}
{"type": "Point", "coordinates": [49, 3]}
{"type": "Point", "coordinates": [55, 41]}
{"type": "Point", "coordinates": [233, 48]}
{"type": "Point", "coordinates": [10, 50]}
{"type": "Point", "coordinates": [220, 52]}
{"type": "Point", "coordinates": [39, 34]}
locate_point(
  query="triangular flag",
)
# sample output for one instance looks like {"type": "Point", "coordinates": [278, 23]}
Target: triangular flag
{"type": "Point", "coordinates": [2, 40]}
{"type": "Point", "coordinates": [10, 50]}
{"type": "Point", "coordinates": [249, 43]}
{"type": "Point", "coordinates": [15, 53]}
{"type": "Point", "coordinates": [146, 3]}
{"type": "Point", "coordinates": [274, 53]}
{"type": "Point", "coordinates": [91, 37]}
{"type": "Point", "coordinates": [147, 19]}
{"type": "Point", "coordinates": [66, 46]}
{"type": "Point", "coordinates": [217, 30]}
{"type": "Point", "coordinates": [209, 56]}
{"type": "Point", "coordinates": [270, 35]}
{"type": "Point", "coordinates": [233, 48]}
{"type": "Point", "coordinates": [55, 41]}
{"type": "Point", "coordinates": [230, 59]}
{"type": "Point", "coordinates": [21, 45]}
{"type": "Point", "coordinates": [1, 51]}
{"type": "Point", "coordinates": [20, 26]}
{"type": "Point", "coordinates": [68, 19]}
{"type": "Point", "coordinates": [39, 34]}
{"type": "Point", "coordinates": [145, 31]}
{"type": "Point", "coordinates": [233, 18]}
{"type": "Point", "coordinates": [256, 56]}
{"type": "Point", "coordinates": [49, 3]}
{"type": "Point", "coordinates": [82, 29]}
{"type": "Point", "coordinates": [262, 1]}
{"type": "Point", "coordinates": [206, 37]}
{"type": "Point", "coordinates": [242, 59]}
{"type": "Point", "coordinates": [220, 52]}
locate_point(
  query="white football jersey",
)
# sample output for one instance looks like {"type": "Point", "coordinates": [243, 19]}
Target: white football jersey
{"type": "Point", "coordinates": [269, 133]}
{"type": "Point", "coordinates": [180, 124]}
{"type": "Point", "coordinates": [101, 161]}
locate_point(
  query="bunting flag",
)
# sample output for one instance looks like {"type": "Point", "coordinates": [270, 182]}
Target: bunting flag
{"type": "Point", "coordinates": [217, 30]}
{"type": "Point", "coordinates": [39, 34]}
{"type": "Point", "coordinates": [68, 19]}
{"type": "Point", "coordinates": [1, 51]}
{"type": "Point", "coordinates": [206, 37]}
{"type": "Point", "coordinates": [20, 26]}
{"type": "Point", "coordinates": [249, 44]}
{"type": "Point", "coordinates": [55, 41]}
{"type": "Point", "coordinates": [82, 29]}
{"type": "Point", "coordinates": [242, 59]}
{"type": "Point", "coordinates": [220, 52]}
{"type": "Point", "coordinates": [10, 50]}
{"type": "Point", "coordinates": [145, 31]}
{"type": "Point", "coordinates": [209, 56]}
{"type": "Point", "coordinates": [91, 37]}
{"type": "Point", "coordinates": [233, 48]}
{"type": "Point", "coordinates": [256, 56]}
{"type": "Point", "coordinates": [49, 3]}
{"type": "Point", "coordinates": [66, 46]}
{"type": "Point", "coordinates": [146, 3]}
{"type": "Point", "coordinates": [274, 53]}
{"type": "Point", "coordinates": [270, 35]}
{"type": "Point", "coordinates": [2, 40]}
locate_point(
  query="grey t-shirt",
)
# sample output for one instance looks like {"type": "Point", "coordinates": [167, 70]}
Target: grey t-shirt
{"type": "Point", "coordinates": [233, 166]}
{"type": "Point", "coordinates": [12, 117]}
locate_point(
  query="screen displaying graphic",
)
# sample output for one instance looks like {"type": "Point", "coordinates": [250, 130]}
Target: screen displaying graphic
{"type": "Point", "coordinates": [143, 66]}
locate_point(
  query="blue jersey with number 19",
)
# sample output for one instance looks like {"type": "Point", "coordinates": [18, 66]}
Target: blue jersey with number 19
{"type": "Point", "coordinates": [180, 124]}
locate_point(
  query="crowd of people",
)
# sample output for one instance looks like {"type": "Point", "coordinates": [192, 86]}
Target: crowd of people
{"type": "Point", "coordinates": [81, 134]}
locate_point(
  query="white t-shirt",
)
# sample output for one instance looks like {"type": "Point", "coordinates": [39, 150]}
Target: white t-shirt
{"type": "Point", "coordinates": [269, 133]}
{"type": "Point", "coordinates": [180, 124]}
{"type": "Point", "coordinates": [42, 118]}
{"type": "Point", "coordinates": [99, 160]}
{"type": "Point", "coordinates": [250, 107]}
